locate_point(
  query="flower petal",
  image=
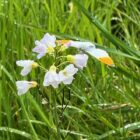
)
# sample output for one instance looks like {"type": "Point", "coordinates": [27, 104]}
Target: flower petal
{"type": "Point", "coordinates": [49, 40]}
{"type": "Point", "coordinates": [71, 69]}
{"type": "Point", "coordinates": [22, 87]}
{"type": "Point", "coordinates": [55, 84]}
{"type": "Point", "coordinates": [98, 53]}
{"type": "Point", "coordinates": [26, 70]}
{"type": "Point", "coordinates": [81, 45]}
{"type": "Point", "coordinates": [40, 49]}
{"type": "Point", "coordinates": [27, 66]}
{"type": "Point", "coordinates": [24, 63]}
{"type": "Point", "coordinates": [68, 80]}
{"type": "Point", "coordinates": [101, 55]}
{"type": "Point", "coordinates": [40, 55]}
{"type": "Point", "coordinates": [81, 60]}
{"type": "Point", "coordinates": [51, 78]}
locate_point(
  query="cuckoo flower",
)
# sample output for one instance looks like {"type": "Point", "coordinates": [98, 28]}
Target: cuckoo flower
{"type": "Point", "coordinates": [51, 78]}
{"type": "Point", "coordinates": [66, 75]}
{"type": "Point", "coordinates": [79, 60]}
{"type": "Point", "coordinates": [45, 45]}
{"type": "Point", "coordinates": [27, 66]}
{"type": "Point", "coordinates": [24, 86]}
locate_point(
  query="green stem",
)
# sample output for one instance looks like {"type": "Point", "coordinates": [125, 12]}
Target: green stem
{"type": "Point", "coordinates": [62, 63]}
{"type": "Point", "coordinates": [42, 68]}
{"type": "Point", "coordinates": [30, 124]}
{"type": "Point", "coordinates": [56, 119]}
{"type": "Point", "coordinates": [61, 57]}
{"type": "Point", "coordinates": [103, 72]}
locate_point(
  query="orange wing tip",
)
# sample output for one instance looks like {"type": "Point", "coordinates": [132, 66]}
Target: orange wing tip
{"type": "Point", "coordinates": [62, 42]}
{"type": "Point", "coordinates": [107, 61]}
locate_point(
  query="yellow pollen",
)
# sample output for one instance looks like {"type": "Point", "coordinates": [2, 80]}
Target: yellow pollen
{"type": "Point", "coordinates": [50, 49]}
{"type": "Point", "coordinates": [34, 65]}
{"type": "Point", "coordinates": [53, 68]}
{"type": "Point", "coordinates": [70, 58]}
{"type": "Point", "coordinates": [65, 73]}
{"type": "Point", "coordinates": [33, 84]}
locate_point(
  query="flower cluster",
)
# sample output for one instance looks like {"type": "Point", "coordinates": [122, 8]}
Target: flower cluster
{"type": "Point", "coordinates": [53, 77]}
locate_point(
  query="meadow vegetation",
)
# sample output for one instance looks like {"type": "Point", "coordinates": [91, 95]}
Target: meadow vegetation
{"type": "Point", "coordinates": [103, 103]}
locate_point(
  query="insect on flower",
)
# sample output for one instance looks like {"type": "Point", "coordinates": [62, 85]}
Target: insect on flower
{"type": "Point", "coordinates": [27, 66]}
{"type": "Point", "coordinates": [45, 45]}
{"type": "Point", "coordinates": [24, 86]}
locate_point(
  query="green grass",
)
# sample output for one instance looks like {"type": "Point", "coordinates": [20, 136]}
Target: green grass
{"type": "Point", "coordinates": [103, 102]}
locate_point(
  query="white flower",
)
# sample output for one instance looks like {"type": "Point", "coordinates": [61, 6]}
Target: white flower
{"type": "Point", "coordinates": [51, 78]}
{"type": "Point", "coordinates": [89, 48]}
{"type": "Point", "coordinates": [24, 86]}
{"type": "Point", "coordinates": [75, 44]}
{"type": "Point", "coordinates": [80, 44]}
{"type": "Point", "coordinates": [66, 75]}
{"type": "Point", "coordinates": [101, 55]}
{"type": "Point", "coordinates": [45, 45]}
{"type": "Point", "coordinates": [27, 66]}
{"type": "Point", "coordinates": [79, 60]}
